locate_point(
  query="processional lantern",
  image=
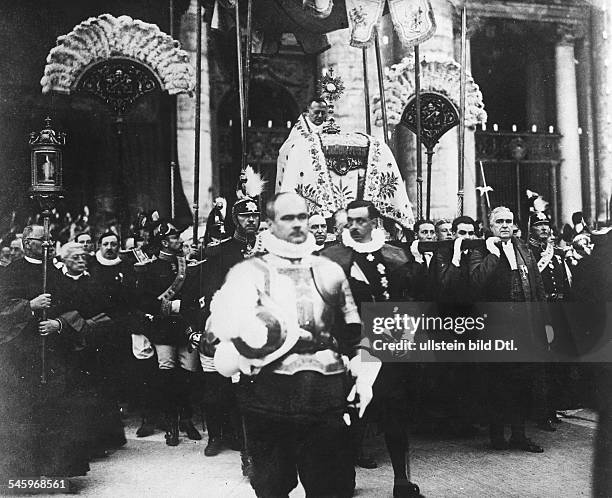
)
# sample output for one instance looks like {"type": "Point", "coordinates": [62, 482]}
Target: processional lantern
{"type": "Point", "coordinates": [46, 167]}
{"type": "Point", "coordinates": [47, 186]}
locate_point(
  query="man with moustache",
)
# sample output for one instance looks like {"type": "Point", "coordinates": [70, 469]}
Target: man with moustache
{"type": "Point", "coordinates": [222, 416]}
{"type": "Point", "coordinates": [556, 278]}
{"type": "Point", "coordinates": [297, 317]}
{"type": "Point", "coordinates": [169, 291]}
{"type": "Point", "coordinates": [380, 272]}
{"type": "Point", "coordinates": [506, 272]}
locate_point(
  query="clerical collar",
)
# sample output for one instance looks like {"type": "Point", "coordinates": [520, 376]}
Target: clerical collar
{"type": "Point", "coordinates": [107, 262]}
{"type": "Point", "coordinates": [378, 240]}
{"type": "Point", "coordinates": [33, 261]}
{"type": "Point", "coordinates": [73, 277]}
{"type": "Point", "coordinates": [286, 249]}
{"type": "Point", "coordinates": [166, 256]}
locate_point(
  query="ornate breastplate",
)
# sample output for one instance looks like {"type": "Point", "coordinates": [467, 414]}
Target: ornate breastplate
{"type": "Point", "coordinates": [316, 348]}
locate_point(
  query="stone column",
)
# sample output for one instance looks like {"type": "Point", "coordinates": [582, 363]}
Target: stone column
{"type": "Point", "coordinates": [585, 115]}
{"type": "Point", "coordinates": [536, 90]}
{"type": "Point", "coordinates": [186, 118]}
{"type": "Point", "coordinates": [567, 122]}
{"type": "Point", "coordinates": [602, 104]}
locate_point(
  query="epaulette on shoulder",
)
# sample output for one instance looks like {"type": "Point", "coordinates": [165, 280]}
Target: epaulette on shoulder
{"type": "Point", "coordinates": [142, 266]}
{"type": "Point", "coordinates": [194, 264]}
{"type": "Point", "coordinates": [216, 247]}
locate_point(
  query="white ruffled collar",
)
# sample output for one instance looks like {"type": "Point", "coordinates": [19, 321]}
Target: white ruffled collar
{"type": "Point", "coordinates": [286, 249]}
{"type": "Point", "coordinates": [378, 240]}
{"type": "Point", "coordinates": [107, 262]}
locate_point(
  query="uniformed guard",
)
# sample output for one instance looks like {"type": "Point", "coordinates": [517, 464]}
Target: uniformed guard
{"type": "Point", "coordinates": [222, 414]}
{"type": "Point", "coordinates": [555, 273]}
{"type": "Point", "coordinates": [169, 290]}
{"type": "Point", "coordinates": [556, 278]}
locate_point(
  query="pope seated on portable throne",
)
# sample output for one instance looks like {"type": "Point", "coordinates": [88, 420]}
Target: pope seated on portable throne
{"type": "Point", "coordinates": [330, 169]}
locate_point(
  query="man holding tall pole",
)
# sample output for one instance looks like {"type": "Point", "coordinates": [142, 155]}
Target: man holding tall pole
{"type": "Point", "coordinates": [37, 430]}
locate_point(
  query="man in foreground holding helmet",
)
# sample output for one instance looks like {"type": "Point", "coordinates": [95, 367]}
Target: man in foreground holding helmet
{"type": "Point", "coordinates": [287, 343]}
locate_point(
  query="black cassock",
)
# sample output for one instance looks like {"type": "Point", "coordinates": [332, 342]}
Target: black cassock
{"type": "Point", "coordinates": [85, 310]}
{"type": "Point", "coordinates": [41, 426]}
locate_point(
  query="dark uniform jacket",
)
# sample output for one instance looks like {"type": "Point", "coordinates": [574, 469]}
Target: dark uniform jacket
{"type": "Point", "coordinates": [182, 283]}
{"type": "Point", "coordinates": [554, 274]}
{"type": "Point", "coordinates": [402, 274]}
{"type": "Point", "coordinates": [220, 259]}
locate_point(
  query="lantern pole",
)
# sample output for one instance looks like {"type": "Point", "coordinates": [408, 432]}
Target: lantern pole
{"type": "Point", "coordinates": [46, 187]}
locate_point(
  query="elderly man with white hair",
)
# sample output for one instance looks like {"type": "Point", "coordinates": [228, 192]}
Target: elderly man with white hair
{"type": "Point", "coordinates": [87, 312]}
{"type": "Point", "coordinates": [506, 271]}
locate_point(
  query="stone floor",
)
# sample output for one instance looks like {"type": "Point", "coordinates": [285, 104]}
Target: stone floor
{"type": "Point", "coordinates": [442, 468]}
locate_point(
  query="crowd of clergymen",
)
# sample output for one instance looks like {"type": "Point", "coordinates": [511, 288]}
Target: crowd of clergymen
{"type": "Point", "coordinates": [124, 349]}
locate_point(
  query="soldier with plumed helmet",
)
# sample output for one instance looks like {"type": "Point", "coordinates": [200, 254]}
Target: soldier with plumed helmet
{"type": "Point", "coordinates": [169, 293]}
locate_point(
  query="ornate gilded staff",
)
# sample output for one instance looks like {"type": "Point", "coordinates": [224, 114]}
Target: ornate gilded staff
{"type": "Point", "coordinates": [418, 131]}
{"type": "Point", "coordinates": [462, 82]}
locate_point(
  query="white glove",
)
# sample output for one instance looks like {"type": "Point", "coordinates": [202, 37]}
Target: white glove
{"type": "Point", "coordinates": [366, 373]}
{"type": "Point", "coordinates": [227, 359]}
{"type": "Point", "coordinates": [175, 306]}
{"type": "Point", "coordinates": [492, 247]}
{"type": "Point", "coordinates": [456, 261]}
{"type": "Point", "coordinates": [418, 257]}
